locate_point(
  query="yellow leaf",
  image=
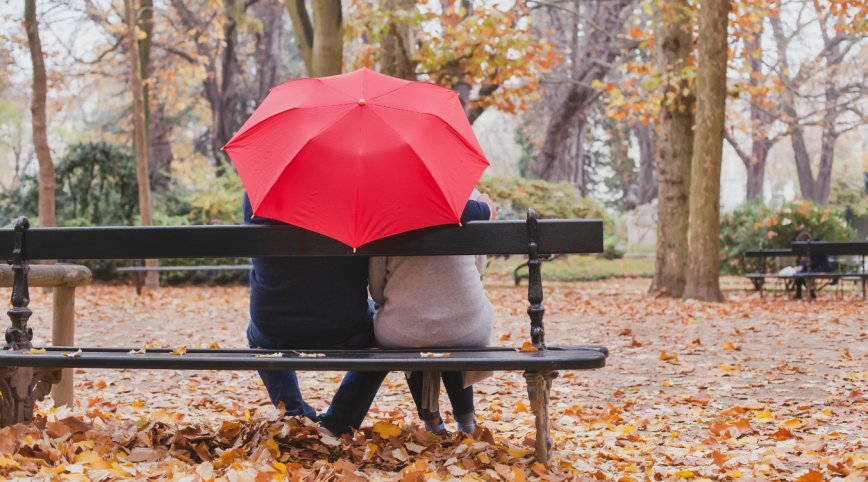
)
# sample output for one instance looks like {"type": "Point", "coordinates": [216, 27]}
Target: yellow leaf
{"type": "Point", "coordinates": [179, 350]}
{"type": "Point", "coordinates": [4, 461]}
{"type": "Point", "coordinates": [517, 452]}
{"type": "Point", "coordinates": [628, 429]}
{"type": "Point", "coordinates": [519, 475]}
{"type": "Point", "coordinates": [685, 474]}
{"type": "Point", "coordinates": [34, 351]}
{"type": "Point", "coordinates": [794, 424]}
{"type": "Point", "coordinates": [528, 346]}
{"type": "Point", "coordinates": [87, 457]}
{"type": "Point", "coordinates": [596, 83]}
{"type": "Point", "coordinates": [728, 346]}
{"type": "Point", "coordinates": [764, 414]}
{"type": "Point", "coordinates": [386, 429]}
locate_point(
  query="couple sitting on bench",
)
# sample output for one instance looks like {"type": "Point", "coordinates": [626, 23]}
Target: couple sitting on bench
{"type": "Point", "coordinates": [312, 303]}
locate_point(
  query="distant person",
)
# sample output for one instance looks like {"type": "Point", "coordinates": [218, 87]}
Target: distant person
{"type": "Point", "coordinates": [434, 302]}
{"type": "Point", "coordinates": [819, 264]}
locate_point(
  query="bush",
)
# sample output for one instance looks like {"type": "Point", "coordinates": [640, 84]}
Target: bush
{"type": "Point", "coordinates": [559, 201]}
{"type": "Point", "coordinates": [754, 226]}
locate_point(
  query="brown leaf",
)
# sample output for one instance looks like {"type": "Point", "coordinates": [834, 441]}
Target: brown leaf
{"type": "Point", "coordinates": [718, 459]}
{"type": "Point", "coordinates": [345, 467]}
{"type": "Point", "coordinates": [701, 398]}
{"type": "Point", "coordinates": [626, 332]}
{"type": "Point", "coordinates": [8, 436]}
{"type": "Point", "coordinates": [57, 429]}
{"type": "Point", "coordinates": [782, 434]}
{"type": "Point", "coordinates": [203, 453]}
{"type": "Point", "coordinates": [76, 425]}
{"type": "Point", "coordinates": [855, 396]}
{"type": "Point", "coordinates": [144, 455]}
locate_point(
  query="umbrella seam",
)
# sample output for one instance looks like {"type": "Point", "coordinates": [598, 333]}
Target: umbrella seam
{"type": "Point", "coordinates": [240, 134]}
{"type": "Point", "coordinates": [447, 124]}
{"type": "Point", "coordinates": [336, 90]}
{"type": "Point", "coordinates": [439, 187]}
{"type": "Point", "coordinates": [409, 83]}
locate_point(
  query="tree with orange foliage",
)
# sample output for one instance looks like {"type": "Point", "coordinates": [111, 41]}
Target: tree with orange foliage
{"type": "Point", "coordinates": [485, 54]}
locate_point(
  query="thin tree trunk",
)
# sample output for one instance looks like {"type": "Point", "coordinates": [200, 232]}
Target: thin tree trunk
{"type": "Point", "coordinates": [270, 13]}
{"type": "Point", "coordinates": [146, 24]}
{"type": "Point", "coordinates": [703, 258]}
{"type": "Point", "coordinates": [40, 122]}
{"type": "Point", "coordinates": [303, 31]}
{"type": "Point", "coordinates": [159, 146]}
{"type": "Point", "coordinates": [397, 45]}
{"type": "Point", "coordinates": [674, 155]}
{"type": "Point", "coordinates": [593, 61]}
{"type": "Point", "coordinates": [226, 104]}
{"type": "Point", "coordinates": [152, 281]}
{"type": "Point", "coordinates": [327, 56]}
{"type": "Point", "coordinates": [647, 183]}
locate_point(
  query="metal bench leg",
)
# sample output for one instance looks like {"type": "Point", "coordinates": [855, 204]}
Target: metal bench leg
{"type": "Point", "coordinates": [539, 385]}
{"type": "Point", "coordinates": [20, 387]}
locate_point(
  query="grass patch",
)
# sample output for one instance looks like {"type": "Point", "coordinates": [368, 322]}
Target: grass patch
{"type": "Point", "coordinates": [575, 268]}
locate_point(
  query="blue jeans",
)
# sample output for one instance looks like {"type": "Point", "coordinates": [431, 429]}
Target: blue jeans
{"type": "Point", "coordinates": [353, 398]}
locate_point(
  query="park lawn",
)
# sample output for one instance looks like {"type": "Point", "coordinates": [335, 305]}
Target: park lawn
{"type": "Point", "coordinates": [574, 268]}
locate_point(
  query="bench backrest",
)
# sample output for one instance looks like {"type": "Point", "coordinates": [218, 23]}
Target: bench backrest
{"type": "Point", "coordinates": [829, 248]}
{"type": "Point", "coordinates": [768, 253]}
{"type": "Point", "coordinates": [136, 242]}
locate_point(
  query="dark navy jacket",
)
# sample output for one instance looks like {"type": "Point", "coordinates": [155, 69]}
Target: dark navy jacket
{"type": "Point", "coordinates": [315, 302]}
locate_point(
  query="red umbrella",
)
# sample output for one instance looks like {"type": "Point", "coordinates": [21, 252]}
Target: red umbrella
{"type": "Point", "coordinates": [358, 156]}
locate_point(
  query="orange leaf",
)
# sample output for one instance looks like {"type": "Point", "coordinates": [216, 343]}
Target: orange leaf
{"type": "Point", "coordinates": [811, 476]}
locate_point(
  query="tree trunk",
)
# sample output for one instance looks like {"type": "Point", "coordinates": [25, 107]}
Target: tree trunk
{"type": "Point", "coordinates": [159, 146]}
{"type": "Point", "coordinates": [593, 60]}
{"type": "Point", "coordinates": [647, 183]}
{"type": "Point", "coordinates": [674, 155]}
{"type": "Point", "coordinates": [40, 122]}
{"type": "Point", "coordinates": [327, 56]}
{"type": "Point", "coordinates": [703, 258]}
{"type": "Point", "coordinates": [152, 281]}
{"type": "Point", "coordinates": [225, 104]}
{"type": "Point", "coordinates": [270, 13]}
{"type": "Point", "coordinates": [146, 24]}
{"type": "Point", "coordinates": [397, 46]}
{"type": "Point", "coordinates": [303, 31]}
{"type": "Point", "coordinates": [321, 42]}
{"type": "Point", "coordinates": [756, 170]}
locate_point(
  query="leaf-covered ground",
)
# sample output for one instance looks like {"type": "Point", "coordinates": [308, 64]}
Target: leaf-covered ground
{"type": "Point", "coordinates": [747, 389]}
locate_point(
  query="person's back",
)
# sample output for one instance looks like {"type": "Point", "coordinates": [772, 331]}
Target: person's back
{"type": "Point", "coordinates": [301, 295]}
{"type": "Point", "coordinates": [430, 301]}
{"type": "Point", "coordinates": [433, 301]}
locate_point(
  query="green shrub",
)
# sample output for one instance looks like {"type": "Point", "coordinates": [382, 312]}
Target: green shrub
{"type": "Point", "coordinates": [754, 226]}
{"type": "Point", "coordinates": [559, 201]}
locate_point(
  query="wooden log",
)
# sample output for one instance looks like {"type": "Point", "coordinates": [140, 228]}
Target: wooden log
{"type": "Point", "coordinates": [45, 276]}
{"type": "Point", "coordinates": [63, 334]}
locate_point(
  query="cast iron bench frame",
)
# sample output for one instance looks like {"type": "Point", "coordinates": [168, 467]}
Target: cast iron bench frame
{"type": "Point", "coordinates": [758, 279]}
{"type": "Point", "coordinates": [25, 378]}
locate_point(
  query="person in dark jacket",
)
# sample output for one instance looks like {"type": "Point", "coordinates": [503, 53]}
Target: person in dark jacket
{"type": "Point", "coordinates": [818, 264]}
{"type": "Point", "coordinates": [313, 303]}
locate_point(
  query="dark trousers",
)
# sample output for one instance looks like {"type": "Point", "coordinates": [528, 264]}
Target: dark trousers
{"type": "Point", "coordinates": [461, 398]}
{"type": "Point", "coordinates": [352, 400]}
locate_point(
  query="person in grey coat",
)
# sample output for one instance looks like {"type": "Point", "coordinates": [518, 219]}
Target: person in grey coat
{"type": "Point", "coordinates": [434, 302]}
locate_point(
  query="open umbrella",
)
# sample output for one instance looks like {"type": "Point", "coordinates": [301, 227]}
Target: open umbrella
{"type": "Point", "coordinates": [358, 156]}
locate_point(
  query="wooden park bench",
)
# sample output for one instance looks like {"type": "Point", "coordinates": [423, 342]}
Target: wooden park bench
{"type": "Point", "coordinates": [831, 248]}
{"type": "Point", "coordinates": [25, 378]}
{"type": "Point", "coordinates": [759, 278]}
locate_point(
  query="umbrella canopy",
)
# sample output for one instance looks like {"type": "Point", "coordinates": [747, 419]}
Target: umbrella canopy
{"type": "Point", "coordinates": [358, 156]}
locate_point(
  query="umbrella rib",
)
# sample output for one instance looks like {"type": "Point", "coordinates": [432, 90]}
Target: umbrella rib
{"type": "Point", "coordinates": [241, 133]}
{"type": "Point", "coordinates": [458, 134]}
{"type": "Point", "coordinates": [437, 181]}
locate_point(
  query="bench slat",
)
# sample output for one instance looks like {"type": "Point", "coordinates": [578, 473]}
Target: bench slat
{"type": "Point", "coordinates": [831, 248]}
{"type": "Point", "coordinates": [768, 253]}
{"type": "Point", "coordinates": [137, 242]}
{"type": "Point", "coordinates": [557, 358]}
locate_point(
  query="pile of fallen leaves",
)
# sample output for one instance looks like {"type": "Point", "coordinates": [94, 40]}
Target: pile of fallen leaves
{"type": "Point", "coordinates": [271, 446]}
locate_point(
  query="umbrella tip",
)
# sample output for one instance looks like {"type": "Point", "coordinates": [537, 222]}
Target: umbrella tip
{"type": "Point", "coordinates": [354, 250]}
{"type": "Point", "coordinates": [460, 225]}
{"type": "Point", "coordinates": [361, 101]}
